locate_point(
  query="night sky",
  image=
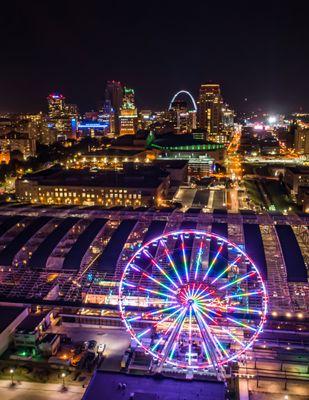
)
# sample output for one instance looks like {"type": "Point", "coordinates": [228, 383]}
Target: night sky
{"type": "Point", "coordinates": [257, 50]}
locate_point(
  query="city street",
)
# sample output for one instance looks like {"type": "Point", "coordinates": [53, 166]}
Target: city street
{"type": "Point", "coordinates": [39, 391]}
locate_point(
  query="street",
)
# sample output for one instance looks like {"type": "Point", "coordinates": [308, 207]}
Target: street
{"type": "Point", "coordinates": [39, 391]}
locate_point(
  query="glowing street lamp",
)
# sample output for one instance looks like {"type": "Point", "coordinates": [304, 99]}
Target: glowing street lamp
{"type": "Point", "coordinates": [63, 375]}
{"type": "Point", "coordinates": [12, 370]}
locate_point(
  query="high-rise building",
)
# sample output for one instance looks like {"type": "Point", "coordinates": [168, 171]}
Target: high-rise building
{"type": "Point", "coordinates": [107, 117]}
{"type": "Point", "coordinates": [145, 119]}
{"type": "Point", "coordinates": [114, 95]}
{"type": "Point", "coordinates": [128, 113]}
{"type": "Point", "coordinates": [61, 116]}
{"type": "Point", "coordinates": [56, 105]}
{"type": "Point", "coordinates": [184, 120]}
{"type": "Point", "coordinates": [210, 109]}
{"type": "Point", "coordinates": [301, 140]}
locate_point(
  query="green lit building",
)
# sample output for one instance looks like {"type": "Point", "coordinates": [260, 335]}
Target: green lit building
{"type": "Point", "coordinates": [200, 154]}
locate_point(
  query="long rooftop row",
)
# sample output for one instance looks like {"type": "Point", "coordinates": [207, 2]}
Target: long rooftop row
{"type": "Point", "coordinates": [73, 241]}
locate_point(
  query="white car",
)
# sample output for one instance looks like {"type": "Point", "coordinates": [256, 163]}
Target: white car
{"type": "Point", "coordinates": [101, 348]}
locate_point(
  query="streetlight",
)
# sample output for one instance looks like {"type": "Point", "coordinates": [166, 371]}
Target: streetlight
{"type": "Point", "coordinates": [63, 375]}
{"type": "Point", "coordinates": [12, 370]}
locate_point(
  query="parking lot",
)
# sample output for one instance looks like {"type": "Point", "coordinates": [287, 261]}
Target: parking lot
{"type": "Point", "coordinates": [116, 341]}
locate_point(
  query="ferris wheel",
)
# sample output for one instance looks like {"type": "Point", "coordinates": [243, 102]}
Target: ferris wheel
{"type": "Point", "coordinates": [192, 299]}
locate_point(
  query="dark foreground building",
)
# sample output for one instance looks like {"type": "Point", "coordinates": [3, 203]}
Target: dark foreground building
{"type": "Point", "coordinates": [105, 386]}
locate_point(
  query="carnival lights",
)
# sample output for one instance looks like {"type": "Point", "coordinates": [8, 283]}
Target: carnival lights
{"type": "Point", "coordinates": [192, 299]}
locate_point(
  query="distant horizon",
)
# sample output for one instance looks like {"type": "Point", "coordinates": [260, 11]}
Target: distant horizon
{"type": "Point", "coordinates": [245, 110]}
{"type": "Point", "coordinates": [255, 51]}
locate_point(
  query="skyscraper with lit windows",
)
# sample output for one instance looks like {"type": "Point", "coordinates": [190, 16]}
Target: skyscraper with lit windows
{"type": "Point", "coordinates": [210, 109]}
{"type": "Point", "coordinates": [114, 95]}
{"type": "Point", "coordinates": [128, 113]}
{"type": "Point", "coordinates": [62, 116]}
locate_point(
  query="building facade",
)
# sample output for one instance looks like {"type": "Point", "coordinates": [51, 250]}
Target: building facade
{"type": "Point", "coordinates": [128, 113]}
{"type": "Point", "coordinates": [18, 141]}
{"type": "Point", "coordinates": [301, 141]}
{"type": "Point", "coordinates": [210, 110]}
{"type": "Point", "coordinates": [114, 95]}
{"type": "Point", "coordinates": [111, 188]}
{"type": "Point", "coordinates": [62, 117]}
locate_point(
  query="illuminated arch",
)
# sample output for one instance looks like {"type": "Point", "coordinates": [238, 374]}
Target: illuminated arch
{"type": "Point", "coordinates": [187, 93]}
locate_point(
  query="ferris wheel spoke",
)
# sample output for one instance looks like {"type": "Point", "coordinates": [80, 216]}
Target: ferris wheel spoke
{"type": "Point", "coordinates": [213, 262]}
{"type": "Point", "coordinates": [155, 263]}
{"type": "Point", "coordinates": [157, 312]}
{"type": "Point", "coordinates": [220, 346]}
{"type": "Point", "coordinates": [168, 316]}
{"type": "Point", "coordinates": [152, 313]}
{"type": "Point", "coordinates": [203, 305]}
{"type": "Point", "coordinates": [184, 257]}
{"type": "Point", "coordinates": [241, 324]}
{"type": "Point", "coordinates": [201, 297]}
{"type": "Point", "coordinates": [206, 314]}
{"type": "Point", "coordinates": [171, 261]}
{"type": "Point", "coordinates": [196, 290]}
{"type": "Point", "coordinates": [226, 270]}
{"type": "Point", "coordinates": [141, 334]}
{"type": "Point", "coordinates": [190, 334]}
{"type": "Point", "coordinates": [234, 337]}
{"type": "Point", "coordinates": [157, 292]}
{"type": "Point", "coordinates": [211, 349]}
{"type": "Point", "coordinates": [243, 309]}
{"type": "Point", "coordinates": [158, 282]}
{"type": "Point", "coordinates": [246, 294]}
{"type": "Point", "coordinates": [198, 261]}
{"type": "Point", "coordinates": [238, 280]}
{"type": "Point", "coordinates": [129, 284]}
{"type": "Point", "coordinates": [206, 353]}
{"type": "Point", "coordinates": [176, 328]}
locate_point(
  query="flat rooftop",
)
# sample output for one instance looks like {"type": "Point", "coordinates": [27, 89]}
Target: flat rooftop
{"type": "Point", "coordinates": [8, 315]}
{"type": "Point", "coordinates": [187, 139]}
{"type": "Point", "coordinates": [104, 386]}
{"type": "Point", "coordinates": [147, 177]}
{"type": "Point", "coordinates": [30, 323]}
{"type": "Point", "coordinates": [109, 152]}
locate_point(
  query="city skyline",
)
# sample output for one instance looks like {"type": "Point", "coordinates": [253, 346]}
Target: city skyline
{"type": "Point", "coordinates": [256, 55]}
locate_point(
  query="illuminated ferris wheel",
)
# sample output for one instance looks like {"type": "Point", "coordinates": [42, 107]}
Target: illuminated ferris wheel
{"type": "Point", "coordinates": [192, 300]}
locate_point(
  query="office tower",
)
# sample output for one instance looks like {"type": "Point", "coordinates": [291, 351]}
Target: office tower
{"type": "Point", "coordinates": [62, 116]}
{"type": "Point", "coordinates": [114, 94]}
{"type": "Point", "coordinates": [56, 105]}
{"type": "Point", "coordinates": [145, 119]}
{"type": "Point", "coordinates": [107, 116]}
{"type": "Point", "coordinates": [210, 110]}
{"type": "Point", "coordinates": [183, 119]}
{"type": "Point", "coordinates": [301, 140]}
{"type": "Point", "coordinates": [128, 113]}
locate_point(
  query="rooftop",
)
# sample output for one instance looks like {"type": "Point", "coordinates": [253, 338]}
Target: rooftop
{"type": "Point", "coordinates": [173, 140]}
{"type": "Point", "coordinates": [142, 177]}
{"type": "Point", "coordinates": [8, 315]}
{"type": "Point", "coordinates": [104, 386]}
{"type": "Point", "coordinates": [30, 323]}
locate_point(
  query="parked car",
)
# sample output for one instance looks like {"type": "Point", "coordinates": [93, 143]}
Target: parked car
{"type": "Point", "coordinates": [101, 348]}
